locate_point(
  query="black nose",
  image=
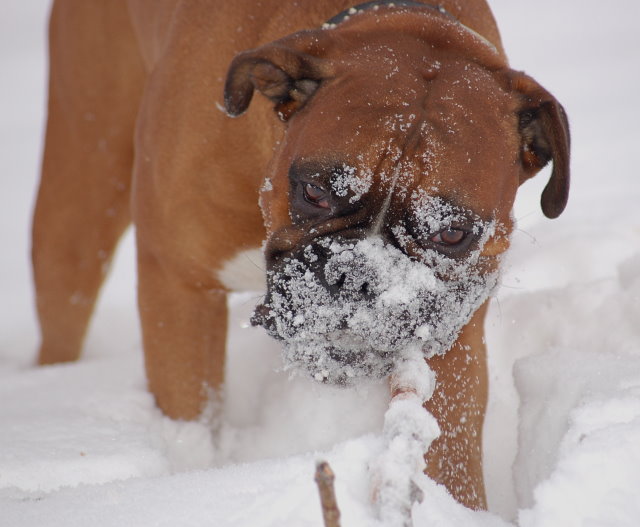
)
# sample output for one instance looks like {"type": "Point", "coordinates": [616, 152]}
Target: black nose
{"type": "Point", "coordinates": [351, 278]}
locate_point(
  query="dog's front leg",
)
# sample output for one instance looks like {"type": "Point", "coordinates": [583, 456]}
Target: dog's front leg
{"type": "Point", "coordinates": [184, 330]}
{"type": "Point", "coordinates": [459, 404]}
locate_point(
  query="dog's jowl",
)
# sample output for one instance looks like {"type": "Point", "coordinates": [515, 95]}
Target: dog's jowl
{"type": "Point", "coordinates": [378, 172]}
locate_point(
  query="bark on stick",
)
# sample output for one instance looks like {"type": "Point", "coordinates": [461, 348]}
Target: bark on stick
{"type": "Point", "coordinates": [324, 479]}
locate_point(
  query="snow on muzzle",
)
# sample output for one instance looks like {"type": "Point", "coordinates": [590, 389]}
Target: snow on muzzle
{"type": "Point", "coordinates": [350, 309]}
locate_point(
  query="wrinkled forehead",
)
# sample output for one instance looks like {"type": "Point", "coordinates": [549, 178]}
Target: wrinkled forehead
{"type": "Point", "coordinates": [432, 125]}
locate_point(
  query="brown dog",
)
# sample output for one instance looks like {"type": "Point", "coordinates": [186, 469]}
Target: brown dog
{"type": "Point", "coordinates": [399, 139]}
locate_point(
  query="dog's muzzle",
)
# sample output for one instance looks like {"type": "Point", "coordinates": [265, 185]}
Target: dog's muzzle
{"type": "Point", "coordinates": [350, 309]}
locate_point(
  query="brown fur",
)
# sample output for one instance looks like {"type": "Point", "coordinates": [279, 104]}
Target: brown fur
{"type": "Point", "coordinates": [134, 134]}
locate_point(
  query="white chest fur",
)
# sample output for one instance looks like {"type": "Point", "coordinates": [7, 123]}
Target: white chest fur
{"type": "Point", "coordinates": [244, 272]}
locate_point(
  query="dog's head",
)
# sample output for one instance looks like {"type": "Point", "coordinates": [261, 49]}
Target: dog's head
{"type": "Point", "coordinates": [388, 202]}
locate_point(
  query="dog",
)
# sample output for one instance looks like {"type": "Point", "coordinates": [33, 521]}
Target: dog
{"type": "Point", "coordinates": [376, 174]}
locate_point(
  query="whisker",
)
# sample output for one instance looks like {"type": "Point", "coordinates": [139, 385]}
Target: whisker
{"type": "Point", "coordinates": [256, 265]}
{"type": "Point", "coordinates": [513, 287]}
{"type": "Point", "coordinates": [499, 306]}
{"type": "Point", "coordinates": [528, 234]}
{"type": "Point", "coordinates": [526, 215]}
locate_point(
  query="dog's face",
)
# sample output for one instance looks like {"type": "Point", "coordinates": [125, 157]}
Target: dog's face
{"type": "Point", "coordinates": [388, 203]}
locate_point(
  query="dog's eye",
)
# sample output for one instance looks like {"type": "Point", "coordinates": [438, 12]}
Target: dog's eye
{"type": "Point", "coordinates": [316, 195]}
{"type": "Point", "coordinates": [449, 237]}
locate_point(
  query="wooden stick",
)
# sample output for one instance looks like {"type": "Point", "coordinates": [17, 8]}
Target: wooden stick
{"type": "Point", "coordinates": [408, 431]}
{"type": "Point", "coordinates": [324, 479]}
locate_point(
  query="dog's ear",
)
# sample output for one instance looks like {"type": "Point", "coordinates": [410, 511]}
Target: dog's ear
{"type": "Point", "coordinates": [287, 71]}
{"type": "Point", "coordinates": [544, 130]}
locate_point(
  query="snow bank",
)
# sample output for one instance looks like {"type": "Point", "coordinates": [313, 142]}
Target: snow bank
{"type": "Point", "coordinates": [575, 399]}
{"type": "Point", "coordinates": [580, 407]}
{"type": "Point", "coordinates": [83, 443]}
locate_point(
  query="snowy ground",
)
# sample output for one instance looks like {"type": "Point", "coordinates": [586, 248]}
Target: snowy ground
{"type": "Point", "coordinates": [82, 444]}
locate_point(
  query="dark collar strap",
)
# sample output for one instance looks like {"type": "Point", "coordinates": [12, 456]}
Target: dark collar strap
{"type": "Point", "coordinates": [344, 15]}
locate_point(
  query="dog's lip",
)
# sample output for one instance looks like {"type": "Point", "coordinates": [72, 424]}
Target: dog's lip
{"type": "Point", "coordinates": [261, 314]}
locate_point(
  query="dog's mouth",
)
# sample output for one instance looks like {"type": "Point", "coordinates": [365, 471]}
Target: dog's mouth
{"type": "Point", "coordinates": [356, 311]}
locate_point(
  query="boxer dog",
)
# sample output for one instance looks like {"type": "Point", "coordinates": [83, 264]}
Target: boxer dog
{"type": "Point", "coordinates": [385, 155]}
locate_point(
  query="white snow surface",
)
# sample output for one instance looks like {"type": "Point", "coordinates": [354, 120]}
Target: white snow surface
{"type": "Point", "coordinates": [82, 444]}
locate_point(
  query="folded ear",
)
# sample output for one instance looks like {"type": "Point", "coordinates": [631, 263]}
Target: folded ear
{"type": "Point", "coordinates": [287, 71]}
{"type": "Point", "coordinates": [544, 130]}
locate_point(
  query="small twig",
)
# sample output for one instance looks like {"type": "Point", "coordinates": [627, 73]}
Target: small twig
{"type": "Point", "coordinates": [324, 479]}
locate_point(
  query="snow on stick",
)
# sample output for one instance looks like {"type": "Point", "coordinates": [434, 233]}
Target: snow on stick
{"type": "Point", "coordinates": [408, 431]}
{"type": "Point", "coordinates": [324, 479]}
